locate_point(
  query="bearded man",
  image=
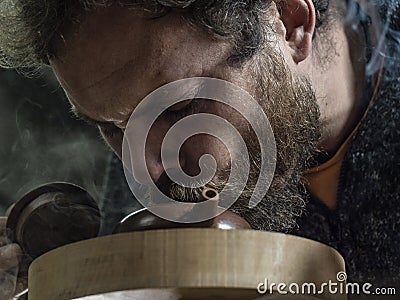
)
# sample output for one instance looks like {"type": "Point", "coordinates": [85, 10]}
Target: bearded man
{"type": "Point", "coordinates": [326, 82]}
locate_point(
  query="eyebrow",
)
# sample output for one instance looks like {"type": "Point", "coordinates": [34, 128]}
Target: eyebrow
{"type": "Point", "coordinates": [86, 118]}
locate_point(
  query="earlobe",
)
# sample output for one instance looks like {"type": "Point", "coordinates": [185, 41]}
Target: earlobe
{"type": "Point", "coordinates": [298, 17]}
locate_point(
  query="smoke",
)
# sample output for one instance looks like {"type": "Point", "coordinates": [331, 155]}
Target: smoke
{"type": "Point", "coordinates": [8, 275]}
{"type": "Point", "coordinates": [383, 19]}
{"type": "Point", "coordinates": [40, 142]}
{"type": "Point", "coordinates": [12, 282]}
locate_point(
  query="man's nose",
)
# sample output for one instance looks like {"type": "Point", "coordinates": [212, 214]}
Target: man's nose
{"type": "Point", "coordinates": [155, 163]}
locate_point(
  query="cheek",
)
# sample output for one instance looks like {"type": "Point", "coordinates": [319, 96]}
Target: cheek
{"type": "Point", "coordinates": [222, 143]}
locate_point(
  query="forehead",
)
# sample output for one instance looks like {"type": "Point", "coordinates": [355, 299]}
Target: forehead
{"type": "Point", "coordinates": [115, 50]}
{"type": "Point", "coordinates": [108, 39]}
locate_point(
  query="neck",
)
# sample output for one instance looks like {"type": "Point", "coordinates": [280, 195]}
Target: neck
{"type": "Point", "coordinates": [340, 86]}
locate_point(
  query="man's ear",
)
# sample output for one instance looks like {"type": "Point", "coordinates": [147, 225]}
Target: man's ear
{"type": "Point", "coordinates": [298, 18]}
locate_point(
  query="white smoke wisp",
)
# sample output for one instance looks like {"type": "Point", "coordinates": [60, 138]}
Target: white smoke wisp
{"type": "Point", "coordinates": [8, 270]}
{"type": "Point", "coordinates": [384, 32]}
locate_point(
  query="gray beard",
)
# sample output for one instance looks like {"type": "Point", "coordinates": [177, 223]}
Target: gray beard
{"type": "Point", "coordinates": [291, 107]}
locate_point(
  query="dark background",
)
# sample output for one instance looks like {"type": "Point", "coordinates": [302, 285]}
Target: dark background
{"type": "Point", "coordinates": [41, 141]}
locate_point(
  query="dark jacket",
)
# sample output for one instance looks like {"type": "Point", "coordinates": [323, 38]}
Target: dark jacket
{"type": "Point", "coordinates": [365, 227]}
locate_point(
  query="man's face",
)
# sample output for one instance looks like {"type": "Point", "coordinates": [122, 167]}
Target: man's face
{"type": "Point", "coordinates": [118, 56]}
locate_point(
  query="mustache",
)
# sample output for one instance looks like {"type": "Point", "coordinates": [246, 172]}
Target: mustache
{"type": "Point", "coordinates": [186, 194]}
{"type": "Point", "coordinates": [277, 211]}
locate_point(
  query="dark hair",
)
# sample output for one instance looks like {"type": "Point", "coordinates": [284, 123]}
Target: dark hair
{"type": "Point", "coordinates": [27, 27]}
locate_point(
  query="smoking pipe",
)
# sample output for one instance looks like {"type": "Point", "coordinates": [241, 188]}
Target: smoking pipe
{"type": "Point", "coordinates": [146, 220]}
{"type": "Point", "coordinates": [51, 216]}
